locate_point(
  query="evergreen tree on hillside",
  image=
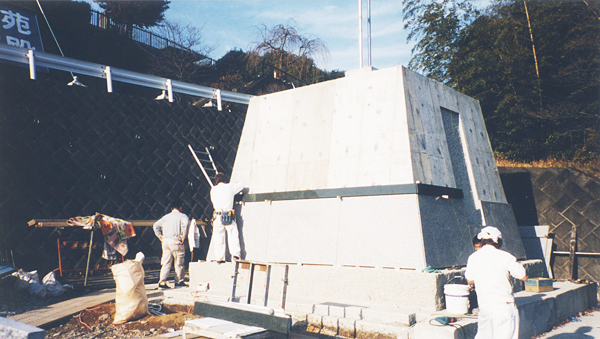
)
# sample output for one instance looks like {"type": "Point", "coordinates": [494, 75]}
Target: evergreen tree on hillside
{"type": "Point", "coordinates": [141, 13]}
{"type": "Point", "coordinates": [534, 66]}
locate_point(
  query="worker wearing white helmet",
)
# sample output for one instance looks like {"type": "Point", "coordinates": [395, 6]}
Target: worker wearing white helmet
{"type": "Point", "coordinates": [489, 269]}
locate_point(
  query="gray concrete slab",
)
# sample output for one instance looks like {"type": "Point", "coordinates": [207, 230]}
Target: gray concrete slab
{"type": "Point", "coordinates": [583, 327]}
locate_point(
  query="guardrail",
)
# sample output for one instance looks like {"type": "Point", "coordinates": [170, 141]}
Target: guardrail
{"type": "Point", "coordinates": [43, 59]}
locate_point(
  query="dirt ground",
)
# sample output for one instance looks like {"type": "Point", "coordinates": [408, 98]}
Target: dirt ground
{"type": "Point", "coordinates": [94, 322]}
{"type": "Point", "coordinates": [97, 322]}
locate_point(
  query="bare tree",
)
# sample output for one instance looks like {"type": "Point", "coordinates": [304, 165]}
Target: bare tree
{"type": "Point", "coordinates": [185, 56]}
{"type": "Point", "coordinates": [291, 51]}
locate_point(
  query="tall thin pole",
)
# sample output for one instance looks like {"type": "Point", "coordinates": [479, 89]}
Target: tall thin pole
{"type": "Point", "coordinates": [360, 37]}
{"type": "Point", "coordinates": [369, 29]}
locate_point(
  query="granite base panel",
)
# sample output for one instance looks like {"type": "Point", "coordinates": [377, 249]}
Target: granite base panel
{"type": "Point", "coordinates": [17, 330]}
{"type": "Point", "coordinates": [344, 289]}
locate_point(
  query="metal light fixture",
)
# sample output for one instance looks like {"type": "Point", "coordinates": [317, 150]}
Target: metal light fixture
{"type": "Point", "coordinates": [162, 96]}
{"type": "Point", "coordinates": [75, 82]}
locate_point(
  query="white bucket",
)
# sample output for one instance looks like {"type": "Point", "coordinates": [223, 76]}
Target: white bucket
{"type": "Point", "coordinates": [457, 298]}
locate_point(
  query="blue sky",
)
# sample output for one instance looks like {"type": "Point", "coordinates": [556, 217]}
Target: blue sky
{"type": "Point", "coordinates": [231, 24]}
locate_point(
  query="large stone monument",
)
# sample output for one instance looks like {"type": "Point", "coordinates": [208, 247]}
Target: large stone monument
{"type": "Point", "coordinates": [382, 168]}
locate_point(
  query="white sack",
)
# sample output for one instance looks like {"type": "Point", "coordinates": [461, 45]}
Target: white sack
{"type": "Point", "coordinates": [131, 300]}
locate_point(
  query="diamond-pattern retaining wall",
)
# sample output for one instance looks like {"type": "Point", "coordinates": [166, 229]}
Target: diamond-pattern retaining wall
{"type": "Point", "coordinates": [74, 151]}
{"type": "Point", "coordinates": [559, 198]}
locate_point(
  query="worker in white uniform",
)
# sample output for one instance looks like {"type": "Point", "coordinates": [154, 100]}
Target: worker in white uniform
{"type": "Point", "coordinates": [224, 224]}
{"type": "Point", "coordinates": [489, 269]}
{"type": "Point", "coordinates": [171, 229]}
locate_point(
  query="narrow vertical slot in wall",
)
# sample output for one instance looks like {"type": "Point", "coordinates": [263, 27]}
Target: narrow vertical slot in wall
{"type": "Point", "coordinates": [459, 167]}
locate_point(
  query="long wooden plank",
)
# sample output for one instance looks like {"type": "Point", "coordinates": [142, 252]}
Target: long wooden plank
{"type": "Point", "coordinates": [65, 308]}
{"type": "Point", "coordinates": [63, 223]}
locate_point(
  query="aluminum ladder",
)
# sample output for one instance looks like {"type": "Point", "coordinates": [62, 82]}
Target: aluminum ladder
{"type": "Point", "coordinates": [206, 163]}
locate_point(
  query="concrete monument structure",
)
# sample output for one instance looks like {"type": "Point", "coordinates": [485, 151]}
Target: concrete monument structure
{"type": "Point", "coordinates": [382, 168]}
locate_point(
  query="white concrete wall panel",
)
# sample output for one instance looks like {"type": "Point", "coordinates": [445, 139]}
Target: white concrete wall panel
{"type": "Point", "coordinates": [375, 231]}
{"type": "Point", "coordinates": [272, 144]}
{"type": "Point", "coordinates": [345, 144]}
{"type": "Point", "coordinates": [401, 164]}
{"type": "Point", "coordinates": [302, 231]}
{"type": "Point", "coordinates": [254, 225]}
{"type": "Point", "coordinates": [376, 132]}
{"type": "Point", "coordinates": [382, 231]}
{"type": "Point", "coordinates": [310, 137]}
{"type": "Point", "coordinates": [244, 159]}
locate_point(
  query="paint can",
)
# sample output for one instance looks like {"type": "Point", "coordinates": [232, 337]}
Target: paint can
{"type": "Point", "coordinates": [457, 298]}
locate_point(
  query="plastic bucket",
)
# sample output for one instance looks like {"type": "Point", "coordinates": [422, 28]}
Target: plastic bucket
{"type": "Point", "coordinates": [457, 298]}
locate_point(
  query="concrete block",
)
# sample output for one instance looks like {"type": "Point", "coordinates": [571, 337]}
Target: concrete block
{"type": "Point", "coordinates": [330, 324]}
{"type": "Point", "coordinates": [300, 308]}
{"type": "Point", "coordinates": [354, 312]}
{"type": "Point", "coordinates": [299, 322]}
{"type": "Point", "coordinates": [337, 311]}
{"type": "Point", "coordinates": [17, 330]}
{"type": "Point", "coordinates": [347, 327]}
{"type": "Point", "coordinates": [369, 330]}
{"type": "Point", "coordinates": [314, 323]}
{"type": "Point", "coordinates": [321, 309]}
{"type": "Point", "coordinates": [387, 316]}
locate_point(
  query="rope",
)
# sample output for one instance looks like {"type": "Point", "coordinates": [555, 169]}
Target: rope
{"type": "Point", "coordinates": [155, 309]}
{"type": "Point", "coordinates": [51, 31]}
{"type": "Point", "coordinates": [83, 323]}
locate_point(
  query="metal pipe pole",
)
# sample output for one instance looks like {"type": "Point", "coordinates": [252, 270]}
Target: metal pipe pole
{"type": "Point", "coordinates": [360, 37]}
{"type": "Point", "coordinates": [369, 30]}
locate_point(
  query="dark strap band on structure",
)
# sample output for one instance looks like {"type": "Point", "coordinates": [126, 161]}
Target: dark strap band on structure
{"type": "Point", "coordinates": [420, 189]}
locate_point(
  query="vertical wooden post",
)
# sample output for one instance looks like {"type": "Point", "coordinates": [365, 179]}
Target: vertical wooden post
{"type": "Point", "coordinates": [250, 281]}
{"type": "Point", "coordinates": [267, 283]}
{"type": "Point", "coordinates": [87, 266]}
{"type": "Point", "coordinates": [59, 259]}
{"type": "Point", "coordinates": [235, 275]}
